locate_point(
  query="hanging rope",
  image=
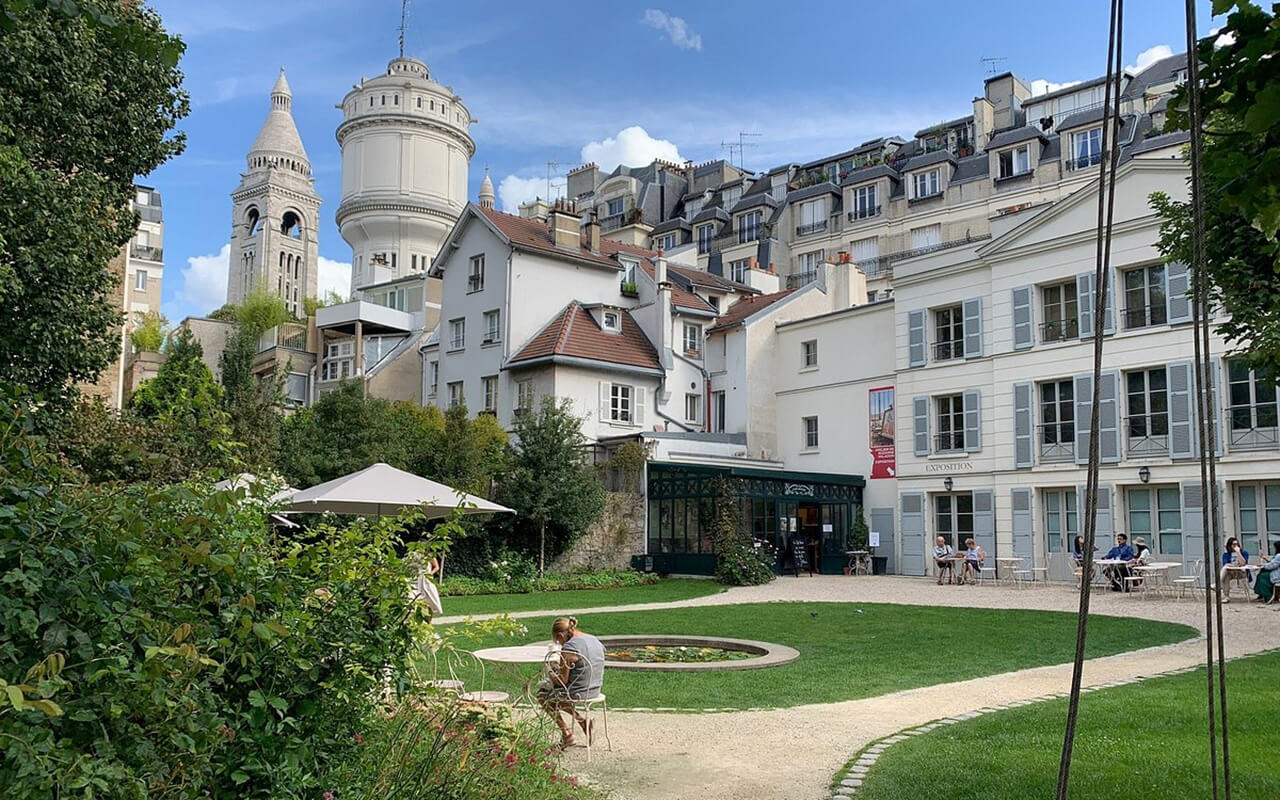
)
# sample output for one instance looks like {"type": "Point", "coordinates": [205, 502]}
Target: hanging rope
{"type": "Point", "coordinates": [1101, 283]}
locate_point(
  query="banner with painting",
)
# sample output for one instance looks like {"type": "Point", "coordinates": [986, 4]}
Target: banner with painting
{"type": "Point", "coordinates": [883, 455]}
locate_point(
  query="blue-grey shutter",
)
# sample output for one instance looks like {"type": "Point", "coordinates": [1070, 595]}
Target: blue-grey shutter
{"type": "Point", "coordinates": [972, 420]}
{"type": "Point", "coordinates": [1023, 545]}
{"type": "Point", "coordinates": [1024, 335]}
{"type": "Point", "coordinates": [1192, 521]}
{"type": "Point", "coordinates": [920, 425]}
{"type": "Point", "coordinates": [915, 339]}
{"type": "Point", "coordinates": [1182, 410]}
{"type": "Point", "coordinates": [912, 528]}
{"type": "Point", "coordinates": [984, 522]}
{"type": "Point", "coordinates": [973, 327]}
{"type": "Point", "coordinates": [1083, 392]}
{"type": "Point", "coordinates": [1215, 412]}
{"type": "Point", "coordinates": [1109, 323]}
{"type": "Point", "coordinates": [1109, 419]}
{"type": "Point", "coordinates": [1177, 301]}
{"type": "Point", "coordinates": [1106, 529]}
{"type": "Point", "coordinates": [1084, 303]}
{"type": "Point", "coordinates": [1023, 426]}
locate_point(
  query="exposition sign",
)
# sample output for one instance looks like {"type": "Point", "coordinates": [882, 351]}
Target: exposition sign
{"type": "Point", "coordinates": [880, 416]}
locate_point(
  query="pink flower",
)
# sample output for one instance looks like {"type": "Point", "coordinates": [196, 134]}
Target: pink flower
{"type": "Point", "coordinates": [511, 758]}
{"type": "Point", "coordinates": [327, 796]}
{"type": "Point", "coordinates": [573, 781]}
{"type": "Point", "coordinates": [359, 739]}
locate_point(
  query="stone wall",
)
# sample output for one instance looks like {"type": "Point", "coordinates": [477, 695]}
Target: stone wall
{"type": "Point", "coordinates": [612, 540]}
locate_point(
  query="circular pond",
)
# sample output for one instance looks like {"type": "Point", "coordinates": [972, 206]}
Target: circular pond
{"type": "Point", "coordinates": [692, 653]}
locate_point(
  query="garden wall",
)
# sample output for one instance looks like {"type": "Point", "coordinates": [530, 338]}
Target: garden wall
{"type": "Point", "coordinates": [612, 540]}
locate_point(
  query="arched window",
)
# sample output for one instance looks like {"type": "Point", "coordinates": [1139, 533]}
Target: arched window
{"type": "Point", "coordinates": [395, 99]}
{"type": "Point", "coordinates": [291, 225]}
{"type": "Point", "coordinates": [419, 102]}
{"type": "Point", "coordinates": [282, 259]}
{"type": "Point", "coordinates": [252, 221]}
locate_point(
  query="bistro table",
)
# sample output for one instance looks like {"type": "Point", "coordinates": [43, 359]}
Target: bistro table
{"type": "Point", "coordinates": [957, 572]}
{"type": "Point", "coordinates": [1107, 564]}
{"type": "Point", "coordinates": [515, 656]}
{"type": "Point", "coordinates": [859, 562]}
{"type": "Point", "coordinates": [1008, 564]}
{"type": "Point", "coordinates": [1157, 572]}
{"type": "Point", "coordinates": [1243, 569]}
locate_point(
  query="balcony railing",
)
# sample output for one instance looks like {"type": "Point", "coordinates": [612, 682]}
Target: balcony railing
{"type": "Point", "coordinates": [611, 223]}
{"type": "Point", "coordinates": [883, 265]}
{"type": "Point", "coordinates": [1060, 330]}
{"type": "Point", "coordinates": [149, 213]}
{"type": "Point", "coordinates": [802, 279]}
{"type": "Point", "coordinates": [146, 252]}
{"type": "Point", "coordinates": [864, 213]}
{"type": "Point", "coordinates": [948, 442]}
{"type": "Point", "coordinates": [1083, 162]}
{"type": "Point", "coordinates": [749, 234]}
{"type": "Point", "coordinates": [1145, 316]}
{"type": "Point", "coordinates": [811, 228]}
{"type": "Point", "coordinates": [1147, 434]}
{"type": "Point", "coordinates": [288, 334]}
{"type": "Point", "coordinates": [1253, 427]}
{"type": "Point", "coordinates": [945, 351]}
{"type": "Point", "coordinates": [1056, 442]}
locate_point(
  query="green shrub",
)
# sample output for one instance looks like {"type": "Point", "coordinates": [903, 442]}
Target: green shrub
{"type": "Point", "coordinates": [465, 586]}
{"type": "Point", "coordinates": [741, 560]}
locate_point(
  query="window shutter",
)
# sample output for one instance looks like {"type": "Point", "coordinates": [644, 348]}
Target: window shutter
{"type": "Point", "coordinates": [1083, 391]}
{"type": "Point", "coordinates": [637, 415]}
{"type": "Point", "coordinates": [1109, 419]}
{"type": "Point", "coordinates": [972, 420]}
{"type": "Point", "coordinates": [984, 522]}
{"type": "Point", "coordinates": [912, 527]}
{"type": "Point", "coordinates": [1106, 528]}
{"type": "Point", "coordinates": [973, 328]}
{"type": "Point", "coordinates": [1182, 411]}
{"type": "Point", "coordinates": [1215, 412]}
{"type": "Point", "coordinates": [920, 424]}
{"type": "Point", "coordinates": [1177, 301]}
{"type": "Point", "coordinates": [1109, 324]}
{"type": "Point", "coordinates": [1192, 520]}
{"type": "Point", "coordinates": [915, 339]}
{"type": "Point", "coordinates": [604, 401]}
{"type": "Point", "coordinates": [1023, 429]}
{"type": "Point", "coordinates": [1023, 544]}
{"type": "Point", "coordinates": [1023, 319]}
{"type": "Point", "coordinates": [1084, 303]}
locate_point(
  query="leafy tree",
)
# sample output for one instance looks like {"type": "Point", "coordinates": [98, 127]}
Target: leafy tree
{"type": "Point", "coordinates": [151, 330]}
{"type": "Point", "coordinates": [550, 486]}
{"type": "Point", "coordinates": [330, 298]}
{"type": "Point", "coordinates": [184, 398]}
{"type": "Point", "coordinates": [253, 403]}
{"type": "Point", "coordinates": [91, 91]}
{"type": "Point", "coordinates": [740, 560]}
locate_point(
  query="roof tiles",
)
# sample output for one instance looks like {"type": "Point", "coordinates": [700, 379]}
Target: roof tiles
{"type": "Point", "coordinates": [574, 333]}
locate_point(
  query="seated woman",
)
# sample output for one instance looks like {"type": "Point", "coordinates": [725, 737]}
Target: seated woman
{"type": "Point", "coordinates": [1077, 551]}
{"type": "Point", "coordinates": [577, 673]}
{"type": "Point", "coordinates": [1268, 581]}
{"type": "Point", "coordinates": [942, 559]}
{"type": "Point", "coordinates": [973, 558]}
{"type": "Point", "coordinates": [1233, 555]}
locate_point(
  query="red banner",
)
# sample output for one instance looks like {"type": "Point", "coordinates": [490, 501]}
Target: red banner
{"type": "Point", "coordinates": [880, 414]}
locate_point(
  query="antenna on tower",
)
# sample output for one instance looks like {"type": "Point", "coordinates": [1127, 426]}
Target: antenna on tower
{"type": "Point", "coordinates": [553, 173]}
{"type": "Point", "coordinates": [741, 145]}
{"type": "Point", "coordinates": [404, 18]}
{"type": "Point", "coordinates": [991, 62]}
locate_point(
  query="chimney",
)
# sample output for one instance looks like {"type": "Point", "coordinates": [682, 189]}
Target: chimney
{"type": "Point", "coordinates": [592, 229]}
{"type": "Point", "coordinates": [664, 343]}
{"type": "Point", "coordinates": [564, 224]}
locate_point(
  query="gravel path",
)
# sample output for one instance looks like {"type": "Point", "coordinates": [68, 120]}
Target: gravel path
{"type": "Point", "coordinates": [793, 753]}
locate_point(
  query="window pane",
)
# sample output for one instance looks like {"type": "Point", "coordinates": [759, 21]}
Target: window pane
{"type": "Point", "coordinates": [1171, 543]}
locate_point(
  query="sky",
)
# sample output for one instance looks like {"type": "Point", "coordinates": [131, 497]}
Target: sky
{"type": "Point", "coordinates": [617, 82]}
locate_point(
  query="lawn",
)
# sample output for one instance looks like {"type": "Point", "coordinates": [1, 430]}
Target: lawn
{"type": "Point", "coordinates": [662, 592]}
{"type": "Point", "coordinates": [1141, 741]}
{"type": "Point", "coordinates": [847, 650]}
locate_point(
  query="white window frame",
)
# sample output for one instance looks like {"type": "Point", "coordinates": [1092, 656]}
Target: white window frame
{"type": "Point", "coordinates": [458, 333]}
{"type": "Point", "coordinates": [433, 372]}
{"type": "Point", "coordinates": [926, 236]}
{"type": "Point", "coordinates": [339, 360]}
{"type": "Point", "coordinates": [140, 280]}
{"type": "Point", "coordinates": [809, 354]}
{"type": "Point", "coordinates": [926, 184]}
{"type": "Point", "coordinates": [622, 403]}
{"type": "Point", "coordinates": [809, 432]}
{"type": "Point", "coordinates": [609, 206]}
{"type": "Point", "coordinates": [949, 415]}
{"type": "Point", "coordinates": [809, 262]}
{"type": "Point", "coordinates": [525, 395]}
{"type": "Point", "coordinates": [475, 274]}
{"type": "Point", "coordinates": [749, 227]}
{"type": "Point", "coordinates": [692, 338]}
{"type": "Point", "coordinates": [812, 217]}
{"type": "Point", "coordinates": [291, 379]}
{"type": "Point", "coordinates": [706, 235]}
{"type": "Point", "coordinates": [864, 202]}
{"type": "Point", "coordinates": [456, 396]}
{"type": "Point", "coordinates": [1019, 161]}
{"type": "Point", "coordinates": [666, 241]}
{"type": "Point", "coordinates": [1090, 142]}
{"type": "Point", "coordinates": [492, 326]}
{"type": "Point", "coordinates": [611, 321]}
{"type": "Point", "coordinates": [693, 407]}
{"type": "Point", "coordinates": [490, 384]}
{"type": "Point", "coordinates": [738, 270]}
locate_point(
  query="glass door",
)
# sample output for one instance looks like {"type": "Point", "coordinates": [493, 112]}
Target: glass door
{"type": "Point", "coordinates": [1062, 526]}
{"type": "Point", "coordinates": [1258, 517]}
{"type": "Point", "coordinates": [1156, 515]}
{"type": "Point", "coordinates": [953, 518]}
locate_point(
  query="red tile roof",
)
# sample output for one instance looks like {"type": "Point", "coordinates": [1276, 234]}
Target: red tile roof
{"type": "Point", "coordinates": [536, 235]}
{"type": "Point", "coordinates": [574, 333]}
{"type": "Point", "coordinates": [747, 306]}
{"type": "Point", "coordinates": [681, 298]}
{"type": "Point", "coordinates": [699, 277]}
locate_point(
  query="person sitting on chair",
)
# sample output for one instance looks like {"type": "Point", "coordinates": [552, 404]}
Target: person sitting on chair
{"type": "Point", "coordinates": [1233, 555]}
{"type": "Point", "coordinates": [943, 560]}
{"type": "Point", "coordinates": [1118, 572]}
{"type": "Point", "coordinates": [576, 674]}
{"type": "Point", "coordinates": [1267, 584]}
{"type": "Point", "coordinates": [973, 558]}
{"type": "Point", "coordinates": [1077, 551]}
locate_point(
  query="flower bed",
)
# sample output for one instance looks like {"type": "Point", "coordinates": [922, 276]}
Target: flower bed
{"type": "Point", "coordinates": [655, 654]}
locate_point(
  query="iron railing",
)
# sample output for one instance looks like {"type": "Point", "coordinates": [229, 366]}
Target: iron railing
{"type": "Point", "coordinates": [811, 228]}
{"type": "Point", "coordinates": [945, 351]}
{"type": "Point", "coordinates": [288, 334]}
{"type": "Point", "coordinates": [1147, 434]}
{"type": "Point", "coordinates": [146, 252]}
{"type": "Point", "coordinates": [802, 279]}
{"type": "Point", "coordinates": [1253, 427]}
{"type": "Point", "coordinates": [948, 441]}
{"type": "Point", "coordinates": [1060, 330]}
{"type": "Point", "coordinates": [1145, 316]}
{"type": "Point", "coordinates": [864, 212]}
{"type": "Point", "coordinates": [1057, 442]}
{"type": "Point", "coordinates": [1083, 162]}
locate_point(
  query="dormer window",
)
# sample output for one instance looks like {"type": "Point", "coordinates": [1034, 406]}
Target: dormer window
{"type": "Point", "coordinates": [813, 217]}
{"type": "Point", "coordinates": [749, 227]}
{"type": "Point", "coordinates": [729, 197]}
{"type": "Point", "coordinates": [1015, 162]}
{"type": "Point", "coordinates": [705, 234]}
{"type": "Point", "coordinates": [692, 207]}
{"type": "Point", "coordinates": [926, 184]}
{"type": "Point", "coordinates": [1086, 149]}
{"type": "Point", "coordinates": [865, 203]}
{"type": "Point", "coordinates": [612, 321]}
{"type": "Point", "coordinates": [614, 208]}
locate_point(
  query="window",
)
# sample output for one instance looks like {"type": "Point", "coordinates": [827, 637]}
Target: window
{"type": "Point", "coordinates": [926, 237]}
{"type": "Point", "coordinates": [809, 354]}
{"type": "Point", "coordinates": [455, 394]}
{"type": "Point", "coordinates": [950, 424]}
{"type": "Point", "coordinates": [692, 207]}
{"type": "Point", "coordinates": [1057, 435]}
{"type": "Point", "coordinates": [339, 360]}
{"type": "Point", "coordinates": [143, 238]}
{"type": "Point", "coordinates": [457, 334]}
{"type": "Point", "coordinates": [142, 197]}
{"type": "Point", "coordinates": [396, 299]}
{"type": "Point", "coordinates": [864, 203]}
{"type": "Point", "coordinates": [813, 218]}
{"type": "Point", "coordinates": [614, 208]}
{"type": "Point", "coordinates": [738, 270]}
{"type": "Point", "coordinates": [948, 333]}
{"type": "Point", "coordinates": [492, 326]}
{"type": "Point", "coordinates": [704, 238]}
{"type": "Point", "coordinates": [1147, 403]}
{"type": "Point", "coordinates": [692, 339]}
{"type": "Point", "coordinates": [524, 395]}
{"type": "Point", "coordinates": [418, 102]}
{"type": "Point", "coordinates": [1086, 149]}
{"type": "Point", "coordinates": [717, 412]}
{"type": "Point", "coordinates": [730, 197]}
{"type": "Point", "coordinates": [866, 253]}
{"type": "Point", "coordinates": [665, 242]}
{"type": "Point", "coordinates": [475, 276]}
{"type": "Point", "coordinates": [140, 280]}
{"type": "Point", "coordinates": [1252, 408]}
{"type": "Point", "coordinates": [808, 263]}
{"type": "Point", "coordinates": [749, 227]}
{"type": "Point", "coordinates": [433, 373]}
{"type": "Point", "coordinates": [810, 433]}
{"type": "Point", "coordinates": [490, 383]}
{"type": "Point", "coordinates": [778, 191]}
{"type": "Point", "coordinates": [1162, 507]}
{"type": "Point", "coordinates": [1144, 297]}
{"type": "Point", "coordinates": [628, 275]}
{"type": "Point", "coordinates": [1015, 162]}
{"type": "Point", "coordinates": [620, 403]}
{"type": "Point", "coordinates": [1061, 313]}
{"type": "Point", "coordinates": [1061, 522]}
{"type": "Point", "coordinates": [413, 261]}
{"type": "Point", "coordinates": [693, 407]}
{"type": "Point", "coordinates": [925, 184]}
{"type": "Point", "coordinates": [612, 321]}
{"type": "Point", "coordinates": [295, 389]}
{"type": "Point", "coordinates": [953, 518]}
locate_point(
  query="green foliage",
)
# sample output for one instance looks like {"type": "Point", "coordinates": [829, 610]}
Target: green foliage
{"type": "Point", "coordinates": [524, 581]}
{"type": "Point", "coordinates": [740, 559]}
{"type": "Point", "coordinates": [150, 332]}
{"type": "Point", "coordinates": [312, 304]}
{"type": "Point", "coordinates": [91, 90]}
{"type": "Point", "coordinates": [555, 494]}
{"type": "Point", "coordinates": [253, 403]}
{"type": "Point", "coordinates": [859, 532]}
{"type": "Point", "coordinates": [261, 311]}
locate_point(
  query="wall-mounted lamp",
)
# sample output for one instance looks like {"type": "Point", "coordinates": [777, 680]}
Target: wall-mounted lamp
{"type": "Point", "coordinates": [1144, 474]}
{"type": "Point", "coordinates": [947, 483]}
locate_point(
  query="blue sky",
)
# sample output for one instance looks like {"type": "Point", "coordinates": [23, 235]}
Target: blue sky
{"type": "Point", "coordinates": [609, 81]}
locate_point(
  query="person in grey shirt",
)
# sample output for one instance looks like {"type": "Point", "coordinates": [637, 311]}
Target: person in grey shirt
{"type": "Point", "coordinates": [577, 674]}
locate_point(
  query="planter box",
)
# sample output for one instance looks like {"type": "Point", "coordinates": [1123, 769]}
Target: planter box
{"type": "Point", "coordinates": [879, 565]}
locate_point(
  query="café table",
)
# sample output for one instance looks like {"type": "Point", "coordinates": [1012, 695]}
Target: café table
{"type": "Point", "coordinates": [957, 571]}
{"type": "Point", "coordinates": [514, 657]}
{"type": "Point", "coordinates": [859, 562]}
{"type": "Point", "coordinates": [1243, 569]}
{"type": "Point", "coordinates": [1157, 572]}
{"type": "Point", "coordinates": [1107, 564]}
{"type": "Point", "coordinates": [1006, 565]}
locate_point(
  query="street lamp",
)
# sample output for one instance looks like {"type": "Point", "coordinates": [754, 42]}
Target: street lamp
{"type": "Point", "coordinates": [1144, 474]}
{"type": "Point", "coordinates": [947, 483]}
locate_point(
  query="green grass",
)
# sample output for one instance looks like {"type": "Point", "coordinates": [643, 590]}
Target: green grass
{"type": "Point", "coordinates": [1142, 741]}
{"type": "Point", "coordinates": [847, 650]}
{"type": "Point", "coordinates": [662, 592]}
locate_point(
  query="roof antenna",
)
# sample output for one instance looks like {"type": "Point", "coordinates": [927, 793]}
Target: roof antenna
{"type": "Point", "coordinates": [404, 16]}
{"type": "Point", "coordinates": [991, 62]}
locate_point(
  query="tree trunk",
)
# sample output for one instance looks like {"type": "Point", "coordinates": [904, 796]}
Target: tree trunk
{"type": "Point", "coordinates": [542, 547]}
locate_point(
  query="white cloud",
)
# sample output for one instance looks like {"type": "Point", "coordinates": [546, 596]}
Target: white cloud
{"type": "Point", "coordinates": [676, 29]}
{"type": "Point", "coordinates": [1041, 86]}
{"type": "Point", "coordinates": [1148, 57]}
{"type": "Point", "coordinates": [632, 146]}
{"type": "Point", "coordinates": [333, 276]}
{"type": "Point", "coordinates": [204, 285]}
{"type": "Point", "coordinates": [514, 190]}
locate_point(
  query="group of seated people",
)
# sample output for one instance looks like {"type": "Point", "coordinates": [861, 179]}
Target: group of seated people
{"type": "Point", "coordinates": [1260, 578]}
{"type": "Point", "coordinates": [945, 559]}
{"type": "Point", "coordinates": [1135, 555]}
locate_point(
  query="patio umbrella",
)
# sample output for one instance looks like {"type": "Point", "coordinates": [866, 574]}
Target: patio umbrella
{"type": "Point", "coordinates": [247, 481]}
{"type": "Point", "coordinates": [382, 490]}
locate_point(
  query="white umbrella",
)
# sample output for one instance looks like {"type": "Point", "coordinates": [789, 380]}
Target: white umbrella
{"type": "Point", "coordinates": [247, 481]}
{"type": "Point", "coordinates": [384, 490]}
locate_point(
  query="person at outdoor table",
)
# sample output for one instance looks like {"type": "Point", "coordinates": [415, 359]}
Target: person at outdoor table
{"type": "Point", "coordinates": [1118, 572]}
{"type": "Point", "coordinates": [1233, 555]}
{"type": "Point", "coordinates": [943, 559]}
{"type": "Point", "coordinates": [576, 674]}
{"type": "Point", "coordinates": [1077, 551]}
{"type": "Point", "coordinates": [973, 558]}
{"type": "Point", "coordinates": [1268, 578]}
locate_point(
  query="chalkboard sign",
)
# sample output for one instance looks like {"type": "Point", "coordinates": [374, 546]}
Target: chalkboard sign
{"type": "Point", "coordinates": [800, 555]}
